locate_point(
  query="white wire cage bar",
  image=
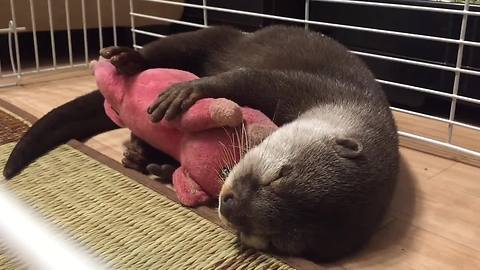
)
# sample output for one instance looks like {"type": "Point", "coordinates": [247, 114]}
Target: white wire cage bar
{"type": "Point", "coordinates": [35, 9]}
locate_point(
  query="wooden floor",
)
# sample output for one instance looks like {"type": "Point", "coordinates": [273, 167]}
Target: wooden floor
{"type": "Point", "coordinates": [435, 219]}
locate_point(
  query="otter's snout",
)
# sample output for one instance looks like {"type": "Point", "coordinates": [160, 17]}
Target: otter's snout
{"type": "Point", "coordinates": [227, 205]}
{"type": "Point", "coordinates": [232, 212]}
{"type": "Point", "coordinates": [235, 200]}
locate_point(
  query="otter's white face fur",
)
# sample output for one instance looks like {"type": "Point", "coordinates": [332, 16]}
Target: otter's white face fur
{"type": "Point", "coordinates": [274, 193]}
{"type": "Point", "coordinates": [268, 158]}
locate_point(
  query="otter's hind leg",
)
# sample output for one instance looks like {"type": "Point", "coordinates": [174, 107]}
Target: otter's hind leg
{"type": "Point", "coordinates": [142, 157]}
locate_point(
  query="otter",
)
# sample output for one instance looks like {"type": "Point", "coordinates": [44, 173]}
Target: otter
{"type": "Point", "coordinates": [318, 186]}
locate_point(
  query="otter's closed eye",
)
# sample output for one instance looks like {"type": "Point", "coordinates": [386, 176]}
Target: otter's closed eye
{"type": "Point", "coordinates": [285, 170]}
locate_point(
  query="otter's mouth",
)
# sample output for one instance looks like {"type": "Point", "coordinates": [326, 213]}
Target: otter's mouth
{"type": "Point", "coordinates": [240, 229]}
{"type": "Point", "coordinates": [225, 221]}
{"type": "Point", "coordinates": [244, 234]}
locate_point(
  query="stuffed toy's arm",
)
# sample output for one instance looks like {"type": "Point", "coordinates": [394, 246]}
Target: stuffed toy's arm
{"type": "Point", "coordinates": [211, 113]}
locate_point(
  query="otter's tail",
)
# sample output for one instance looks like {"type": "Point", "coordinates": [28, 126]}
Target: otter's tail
{"type": "Point", "coordinates": [78, 119]}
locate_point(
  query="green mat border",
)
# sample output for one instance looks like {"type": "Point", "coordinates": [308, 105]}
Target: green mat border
{"type": "Point", "coordinates": [205, 212]}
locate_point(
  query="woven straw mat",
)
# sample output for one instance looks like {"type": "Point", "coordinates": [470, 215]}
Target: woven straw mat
{"type": "Point", "coordinates": [124, 223]}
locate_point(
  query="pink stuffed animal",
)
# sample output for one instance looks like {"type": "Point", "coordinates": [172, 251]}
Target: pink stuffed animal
{"type": "Point", "coordinates": [203, 139]}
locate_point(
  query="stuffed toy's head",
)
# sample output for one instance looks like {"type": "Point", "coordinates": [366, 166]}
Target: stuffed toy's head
{"type": "Point", "coordinates": [207, 140]}
{"type": "Point", "coordinates": [115, 87]}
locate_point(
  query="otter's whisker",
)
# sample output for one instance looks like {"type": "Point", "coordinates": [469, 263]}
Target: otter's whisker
{"type": "Point", "coordinates": [227, 156]}
{"type": "Point", "coordinates": [230, 150]}
{"type": "Point", "coordinates": [242, 142]}
{"type": "Point", "coordinates": [245, 140]}
{"type": "Point", "coordinates": [249, 146]}
{"type": "Point", "coordinates": [233, 145]}
{"type": "Point", "coordinates": [239, 143]}
{"type": "Point", "coordinates": [277, 108]}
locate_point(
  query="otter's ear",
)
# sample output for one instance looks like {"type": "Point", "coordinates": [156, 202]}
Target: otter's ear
{"type": "Point", "coordinates": [348, 147]}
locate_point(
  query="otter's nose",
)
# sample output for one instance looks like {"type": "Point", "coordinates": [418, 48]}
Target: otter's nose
{"type": "Point", "coordinates": [227, 204]}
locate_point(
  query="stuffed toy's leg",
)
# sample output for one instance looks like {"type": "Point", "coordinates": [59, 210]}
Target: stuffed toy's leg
{"type": "Point", "coordinates": [140, 156]}
{"type": "Point", "coordinates": [188, 192]}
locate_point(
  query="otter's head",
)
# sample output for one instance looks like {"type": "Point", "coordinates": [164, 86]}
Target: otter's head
{"type": "Point", "coordinates": [295, 191]}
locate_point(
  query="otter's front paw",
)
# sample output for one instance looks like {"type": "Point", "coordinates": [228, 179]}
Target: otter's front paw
{"type": "Point", "coordinates": [125, 59]}
{"type": "Point", "coordinates": [177, 99]}
{"type": "Point", "coordinates": [254, 241]}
